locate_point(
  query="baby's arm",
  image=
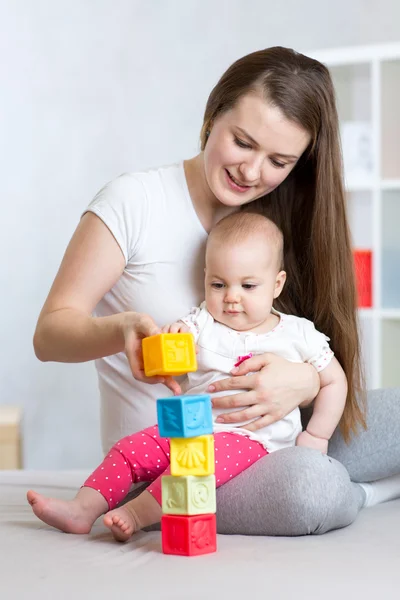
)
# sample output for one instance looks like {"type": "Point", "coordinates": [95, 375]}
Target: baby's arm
{"type": "Point", "coordinates": [328, 408]}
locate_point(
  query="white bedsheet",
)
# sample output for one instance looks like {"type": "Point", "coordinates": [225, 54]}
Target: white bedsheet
{"type": "Point", "coordinates": [360, 562]}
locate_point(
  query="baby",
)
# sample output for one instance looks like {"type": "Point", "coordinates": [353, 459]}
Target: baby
{"type": "Point", "coordinates": [243, 275]}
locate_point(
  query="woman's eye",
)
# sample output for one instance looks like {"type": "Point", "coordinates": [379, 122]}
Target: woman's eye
{"type": "Point", "coordinates": [242, 144]}
{"type": "Point", "coordinates": [278, 164]}
{"type": "Point", "coordinates": [217, 286]}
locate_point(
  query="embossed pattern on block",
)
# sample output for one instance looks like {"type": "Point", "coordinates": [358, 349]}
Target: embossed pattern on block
{"type": "Point", "coordinates": [189, 536]}
{"type": "Point", "coordinates": [188, 495]}
{"type": "Point", "coordinates": [192, 456]}
{"type": "Point", "coordinates": [184, 416]}
{"type": "Point", "coordinates": [169, 354]}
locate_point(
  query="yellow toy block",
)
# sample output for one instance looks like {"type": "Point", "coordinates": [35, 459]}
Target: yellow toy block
{"type": "Point", "coordinates": [169, 354]}
{"type": "Point", "coordinates": [192, 456]}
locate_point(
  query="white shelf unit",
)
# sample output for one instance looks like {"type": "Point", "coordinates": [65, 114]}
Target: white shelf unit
{"type": "Point", "coordinates": [367, 84]}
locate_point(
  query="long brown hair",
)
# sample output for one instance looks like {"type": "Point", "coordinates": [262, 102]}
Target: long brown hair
{"type": "Point", "coordinates": [309, 206]}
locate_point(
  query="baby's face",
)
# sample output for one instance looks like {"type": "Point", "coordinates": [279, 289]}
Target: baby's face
{"type": "Point", "coordinates": [241, 281]}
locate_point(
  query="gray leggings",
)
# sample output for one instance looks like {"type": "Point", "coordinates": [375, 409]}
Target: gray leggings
{"type": "Point", "coordinates": [298, 491]}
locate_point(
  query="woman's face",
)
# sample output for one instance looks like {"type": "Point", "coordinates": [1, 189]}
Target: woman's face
{"type": "Point", "coordinates": [251, 149]}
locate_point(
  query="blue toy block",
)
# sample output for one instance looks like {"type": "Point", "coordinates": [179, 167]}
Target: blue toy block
{"type": "Point", "coordinates": [185, 416]}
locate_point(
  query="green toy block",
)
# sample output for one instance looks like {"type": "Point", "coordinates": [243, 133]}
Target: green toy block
{"type": "Point", "coordinates": [188, 495]}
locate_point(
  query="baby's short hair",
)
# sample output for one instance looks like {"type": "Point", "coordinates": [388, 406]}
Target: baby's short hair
{"type": "Point", "coordinates": [240, 226]}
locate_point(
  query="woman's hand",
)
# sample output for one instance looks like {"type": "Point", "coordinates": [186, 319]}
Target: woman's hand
{"type": "Point", "coordinates": [275, 387]}
{"type": "Point", "coordinates": [135, 327]}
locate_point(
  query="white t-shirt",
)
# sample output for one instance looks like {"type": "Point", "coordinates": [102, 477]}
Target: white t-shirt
{"type": "Point", "coordinates": [152, 218]}
{"type": "Point", "coordinates": [220, 347]}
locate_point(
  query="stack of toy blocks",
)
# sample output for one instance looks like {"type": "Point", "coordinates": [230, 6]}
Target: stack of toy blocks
{"type": "Point", "coordinates": [188, 523]}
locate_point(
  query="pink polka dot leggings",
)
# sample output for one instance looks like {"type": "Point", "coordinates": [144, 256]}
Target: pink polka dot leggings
{"type": "Point", "coordinates": [144, 456]}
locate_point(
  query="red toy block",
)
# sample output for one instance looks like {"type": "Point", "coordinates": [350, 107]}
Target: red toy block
{"type": "Point", "coordinates": [189, 536]}
{"type": "Point", "coordinates": [363, 269]}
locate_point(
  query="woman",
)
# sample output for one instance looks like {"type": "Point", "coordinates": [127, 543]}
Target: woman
{"type": "Point", "coordinates": [270, 136]}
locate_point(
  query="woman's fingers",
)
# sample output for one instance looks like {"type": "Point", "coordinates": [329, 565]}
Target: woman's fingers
{"type": "Point", "coordinates": [261, 422]}
{"type": "Point", "coordinates": [173, 385]}
{"type": "Point", "coordinates": [137, 327]}
{"type": "Point", "coordinates": [253, 364]}
{"type": "Point", "coordinates": [234, 401]}
{"type": "Point", "coordinates": [134, 358]}
{"type": "Point", "coordinates": [145, 326]}
{"type": "Point", "coordinates": [251, 411]}
{"type": "Point", "coordinates": [233, 383]}
{"type": "Point", "coordinates": [272, 394]}
{"type": "Point", "coordinates": [133, 350]}
{"type": "Point", "coordinates": [255, 412]}
{"type": "Point", "coordinates": [136, 364]}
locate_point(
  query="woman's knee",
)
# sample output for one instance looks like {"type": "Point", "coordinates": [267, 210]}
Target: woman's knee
{"type": "Point", "coordinates": [295, 491]}
{"type": "Point", "coordinates": [320, 494]}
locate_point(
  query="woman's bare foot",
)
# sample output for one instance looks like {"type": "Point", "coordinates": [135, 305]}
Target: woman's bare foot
{"type": "Point", "coordinates": [133, 516]}
{"type": "Point", "coordinates": [70, 516]}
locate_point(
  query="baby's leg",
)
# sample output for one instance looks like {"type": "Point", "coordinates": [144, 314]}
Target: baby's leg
{"type": "Point", "coordinates": [151, 458]}
{"type": "Point", "coordinates": [233, 454]}
{"type": "Point", "coordinates": [70, 516]}
{"type": "Point", "coordinates": [138, 457]}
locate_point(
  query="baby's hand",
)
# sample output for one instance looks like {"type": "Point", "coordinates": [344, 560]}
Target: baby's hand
{"type": "Point", "coordinates": [311, 441]}
{"type": "Point", "coordinates": [177, 327]}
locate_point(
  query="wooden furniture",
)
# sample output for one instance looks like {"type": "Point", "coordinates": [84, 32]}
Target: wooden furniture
{"type": "Point", "coordinates": [10, 437]}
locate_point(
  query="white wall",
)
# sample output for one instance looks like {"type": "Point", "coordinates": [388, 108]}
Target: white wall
{"type": "Point", "coordinates": [93, 88]}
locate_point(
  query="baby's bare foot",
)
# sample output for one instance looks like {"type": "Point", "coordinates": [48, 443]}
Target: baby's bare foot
{"type": "Point", "coordinates": [133, 516]}
{"type": "Point", "coordinates": [70, 516]}
{"type": "Point", "coordinates": [122, 523]}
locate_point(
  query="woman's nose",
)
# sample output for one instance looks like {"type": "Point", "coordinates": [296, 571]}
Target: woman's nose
{"type": "Point", "coordinates": [251, 170]}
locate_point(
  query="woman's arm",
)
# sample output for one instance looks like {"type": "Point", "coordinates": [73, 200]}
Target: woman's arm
{"type": "Point", "coordinates": [66, 331]}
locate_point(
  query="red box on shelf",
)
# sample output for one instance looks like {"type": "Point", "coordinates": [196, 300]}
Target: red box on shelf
{"type": "Point", "coordinates": [189, 536]}
{"type": "Point", "coordinates": [363, 270]}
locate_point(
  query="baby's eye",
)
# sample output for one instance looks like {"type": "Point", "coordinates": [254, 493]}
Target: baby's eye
{"type": "Point", "coordinates": [217, 286]}
{"type": "Point", "coordinates": [249, 286]}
